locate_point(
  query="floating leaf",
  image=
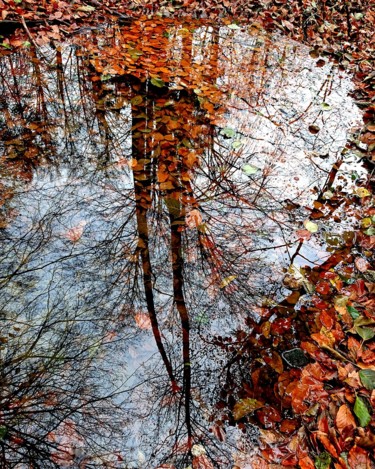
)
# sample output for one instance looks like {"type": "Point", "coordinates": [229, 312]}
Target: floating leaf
{"type": "Point", "coordinates": [233, 26]}
{"type": "Point", "coordinates": [227, 280]}
{"type": "Point", "coordinates": [245, 407]}
{"type": "Point", "coordinates": [228, 132]}
{"type": "Point", "coordinates": [362, 192]}
{"type": "Point", "coordinates": [323, 461]}
{"type": "Point", "coordinates": [368, 379]}
{"type": "Point", "coordinates": [311, 226]}
{"type": "Point", "coordinates": [158, 82]}
{"type": "Point", "coordinates": [325, 107]}
{"type": "Point", "coordinates": [361, 412]}
{"type": "Point", "coordinates": [237, 144]}
{"type": "Point", "coordinates": [249, 170]}
{"type": "Point", "coordinates": [314, 129]}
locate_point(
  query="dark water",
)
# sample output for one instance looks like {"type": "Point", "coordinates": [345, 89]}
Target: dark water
{"type": "Point", "coordinates": [153, 179]}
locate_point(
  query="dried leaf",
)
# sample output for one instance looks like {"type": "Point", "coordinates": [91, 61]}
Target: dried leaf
{"type": "Point", "coordinates": [345, 419]}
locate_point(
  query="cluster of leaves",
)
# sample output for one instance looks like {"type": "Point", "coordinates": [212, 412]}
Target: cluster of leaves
{"type": "Point", "coordinates": [317, 399]}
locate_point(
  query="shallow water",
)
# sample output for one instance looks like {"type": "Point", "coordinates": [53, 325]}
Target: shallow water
{"type": "Point", "coordinates": [153, 179]}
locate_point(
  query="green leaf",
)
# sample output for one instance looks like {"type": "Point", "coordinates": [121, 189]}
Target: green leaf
{"type": "Point", "coordinates": [323, 461]}
{"type": "Point", "coordinates": [361, 412]}
{"type": "Point", "coordinates": [158, 82]}
{"type": "Point", "coordinates": [311, 226]}
{"type": "Point", "coordinates": [237, 144]}
{"type": "Point", "coordinates": [4, 44]}
{"type": "Point", "coordinates": [26, 44]}
{"type": "Point", "coordinates": [249, 170]}
{"type": "Point", "coordinates": [365, 332]}
{"type": "Point", "coordinates": [355, 314]}
{"type": "Point", "coordinates": [368, 379]}
{"type": "Point", "coordinates": [325, 107]}
{"type": "Point", "coordinates": [370, 231]}
{"type": "Point", "coordinates": [228, 132]}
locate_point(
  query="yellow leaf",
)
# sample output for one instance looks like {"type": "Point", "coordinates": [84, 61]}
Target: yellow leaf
{"type": "Point", "coordinates": [245, 407]}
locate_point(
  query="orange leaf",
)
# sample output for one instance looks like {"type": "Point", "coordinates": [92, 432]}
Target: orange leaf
{"type": "Point", "coordinates": [345, 419]}
{"type": "Point", "coordinates": [323, 438]}
{"type": "Point", "coordinates": [358, 458]}
{"type": "Point", "coordinates": [306, 463]}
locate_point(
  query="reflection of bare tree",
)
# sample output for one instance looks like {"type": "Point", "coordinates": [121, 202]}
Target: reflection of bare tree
{"type": "Point", "coordinates": [159, 200]}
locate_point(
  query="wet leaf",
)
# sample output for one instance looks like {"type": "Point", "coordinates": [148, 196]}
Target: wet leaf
{"type": "Point", "coordinates": [325, 107]}
{"type": "Point", "coordinates": [314, 129]}
{"type": "Point", "coordinates": [245, 407]}
{"type": "Point", "coordinates": [228, 132]}
{"type": "Point", "coordinates": [368, 378]}
{"type": "Point", "coordinates": [361, 412]}
{"type": "Point", "coordinates": [249, 170]}
{"type": "Point", "coordinates": [295, 358]}
{"type": "Point", "coordinates": [311, 226]}
{"type": "Point", "coordinates": [233, 26]}
{"type": "Point", "coordinates": [362, 192]}
{"type": "Point", "coordinates": [227, 280]}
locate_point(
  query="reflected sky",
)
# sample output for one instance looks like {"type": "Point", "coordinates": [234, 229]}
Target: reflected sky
{"type": "Point", "coordinates": [153, 178]}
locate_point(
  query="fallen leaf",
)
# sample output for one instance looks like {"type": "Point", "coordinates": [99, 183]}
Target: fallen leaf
{"type": "Point", "coordinates": [245, 407]}
{"type": "Point", "coordinates": [361, 412]}
{"type": "Point", "coordinates": [345, 419]}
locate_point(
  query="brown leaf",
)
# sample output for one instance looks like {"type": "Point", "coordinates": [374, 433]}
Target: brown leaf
{"type": "Point", "coordinates": [345, 419]}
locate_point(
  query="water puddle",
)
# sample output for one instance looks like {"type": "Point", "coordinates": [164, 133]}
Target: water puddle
{"type": "Point", "coordinates": [153, 181]}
